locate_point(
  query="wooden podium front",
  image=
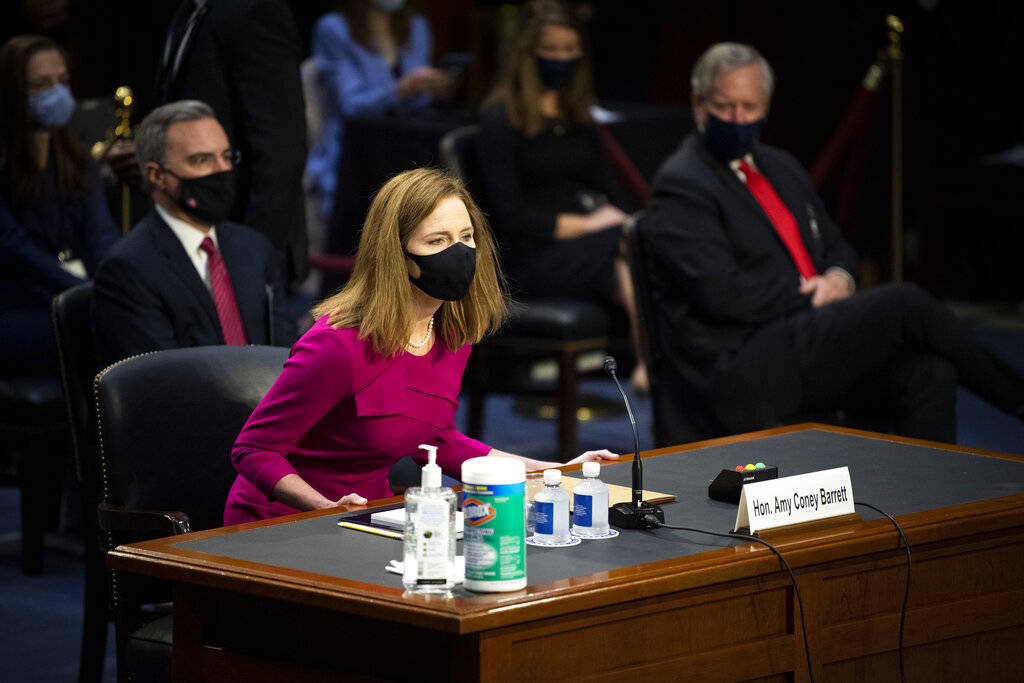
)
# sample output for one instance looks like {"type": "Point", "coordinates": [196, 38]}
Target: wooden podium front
{"type": "Point", "coordinates": [661, 605]}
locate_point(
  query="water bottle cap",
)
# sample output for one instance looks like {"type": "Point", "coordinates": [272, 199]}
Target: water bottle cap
{"type": "Point", "coordinates": [591, 469]}
{"type": "Point", "coordinates": [552, 477]}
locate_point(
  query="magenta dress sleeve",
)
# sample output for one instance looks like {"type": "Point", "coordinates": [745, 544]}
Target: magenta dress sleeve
{"type": "Point", "coordinates": [316, 376]}
{"type": "Point", "coordinates": [454, 448]}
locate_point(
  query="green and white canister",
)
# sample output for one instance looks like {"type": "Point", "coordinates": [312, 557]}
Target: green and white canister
{"type": "Point", "coordinates": [494, 539]}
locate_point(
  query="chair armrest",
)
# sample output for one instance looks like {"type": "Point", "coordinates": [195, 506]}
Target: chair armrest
{"type": "Point", "coordinates": [335, 264]}
{"type": "Point", "coordinates": [169, 522]}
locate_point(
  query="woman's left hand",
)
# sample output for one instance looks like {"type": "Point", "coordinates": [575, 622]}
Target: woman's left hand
{"type": "Point", "coordinates": [595, 456]}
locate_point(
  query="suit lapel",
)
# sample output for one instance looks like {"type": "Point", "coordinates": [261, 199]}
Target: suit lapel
{"type": "Point", "coordinates": [246, 281]}
{"type": "Point", "coordinates": [729, 179]}
{"type": "Point", "coordinates": [182, 267]}
{"type": "Point", "coordinates": [179, 56]}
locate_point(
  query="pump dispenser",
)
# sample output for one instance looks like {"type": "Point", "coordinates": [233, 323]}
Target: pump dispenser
{"type": "Point", "coordinates": [430, 478]}
{"type": "Point", "coordinates": [429, 552]}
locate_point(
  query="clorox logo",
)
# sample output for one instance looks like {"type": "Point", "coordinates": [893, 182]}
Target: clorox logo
{"type": "Point", "coordinates": [477, 512]}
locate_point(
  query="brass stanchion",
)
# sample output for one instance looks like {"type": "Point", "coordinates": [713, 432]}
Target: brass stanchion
{"type": "Point", "coordinates": [894, 53]}
{"type": "Point", "coordinates": [124, 99]}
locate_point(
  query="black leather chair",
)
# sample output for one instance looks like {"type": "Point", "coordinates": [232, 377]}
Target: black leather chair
{"type": "Point", "coordinates": [76, 348]}
{"type": "Point", "coordinates": [560, 328]}
{"type": "Point", "coordinates": [674, 421]}
{"type": "Point", "coordinates": [166, 422]}
{"type": "Point", "coordinates": [34, 447]}
{"type": "Point", "coordinates": [670, 427]}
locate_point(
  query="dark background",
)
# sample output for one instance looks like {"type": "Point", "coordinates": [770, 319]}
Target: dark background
{"type": "Point", "coordinates": [963, 216]}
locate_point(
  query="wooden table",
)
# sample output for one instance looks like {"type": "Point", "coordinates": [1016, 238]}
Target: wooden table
{"type": "Point", "coordinates": [723, 614]}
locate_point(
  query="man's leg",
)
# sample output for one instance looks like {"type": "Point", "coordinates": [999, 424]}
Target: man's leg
{"type": "Point", "coordinates": [915, 393]}
{"type": "Point", "coordinates": [847, 342]}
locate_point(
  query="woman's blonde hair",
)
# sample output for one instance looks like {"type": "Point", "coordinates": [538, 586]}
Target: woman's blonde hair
{"type": "Point", "coordinates": [519, 86]}
{"type": "Point", "coordinates": [378, 297]}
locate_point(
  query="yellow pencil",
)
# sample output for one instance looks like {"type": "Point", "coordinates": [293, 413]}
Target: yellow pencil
{"type": "Point", "coordinates": [371, 530]}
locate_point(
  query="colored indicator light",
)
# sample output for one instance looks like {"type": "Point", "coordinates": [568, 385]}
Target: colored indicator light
{"type": "Point", "coordinates": [739, 468]}
{"type": "Point", "coordinates": [749, 466]}
{"type": "Point", "coordinates": [759, 466]}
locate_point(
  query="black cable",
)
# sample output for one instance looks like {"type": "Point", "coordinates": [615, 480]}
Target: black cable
{"type": "Point", "coordinates": [792, 576]}
{"type": "Point", "coordinates": [906, 592]}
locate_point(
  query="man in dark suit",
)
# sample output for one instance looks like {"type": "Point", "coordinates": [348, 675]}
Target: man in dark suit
{"type": "Point", "coordinates": [754, 296]}
{"type": "Point", "coordinates": [242, 58]}
{"type": "Point", "coordinates": [185, 276]}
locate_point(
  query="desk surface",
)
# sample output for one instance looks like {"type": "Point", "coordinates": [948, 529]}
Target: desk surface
{"type": "Point", "coordinates": [925, 484]}
{"type": "Point", "coordinates": [899, 478]}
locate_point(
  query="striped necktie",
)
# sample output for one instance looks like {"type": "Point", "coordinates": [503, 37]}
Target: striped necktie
{"type": "Point", "coordinates": [223, 296]}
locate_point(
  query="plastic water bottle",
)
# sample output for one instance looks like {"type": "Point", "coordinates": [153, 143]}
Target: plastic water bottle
{"type": "Point", "coordinates": [590, 504]}
{"type": "Point", "coordinates": [551, 511]}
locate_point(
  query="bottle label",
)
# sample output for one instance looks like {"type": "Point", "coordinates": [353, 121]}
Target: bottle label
{"type": "Point", "coordinates": [432, 542]}
{"type": "Point", "coordinates": [583, 509]}
{"type": "Point", "coordinates": [494, 540]}
{"type": "Point", "coordinates": [545, 517]}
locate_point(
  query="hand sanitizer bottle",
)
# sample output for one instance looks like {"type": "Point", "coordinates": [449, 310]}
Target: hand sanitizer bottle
{"type": "Point", "coordinates": [590, 504]}
{"type": "Point", "coordinates": [429, 557]}
{"type": "Point", "coordinates": [551, 511]}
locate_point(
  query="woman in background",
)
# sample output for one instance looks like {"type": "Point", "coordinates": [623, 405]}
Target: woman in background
{"type": "Point", "coordinates": [554, 197]}
{"type": "Point", "coordinates": [371, 56]}
{"type": "Point", "coordinates": [55, 225]}
{"type": "Point", "coordinates": [380, 371]}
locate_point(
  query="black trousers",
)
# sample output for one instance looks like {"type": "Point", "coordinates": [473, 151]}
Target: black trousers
{"type": "Point", "coordinates": [888, 355]}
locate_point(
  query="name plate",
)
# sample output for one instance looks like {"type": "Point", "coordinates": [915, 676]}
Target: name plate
{"type": "Point", "coordinates": [793, 500]}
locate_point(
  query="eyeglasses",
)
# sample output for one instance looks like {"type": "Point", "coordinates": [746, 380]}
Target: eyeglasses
{"type": "Point", "coordinates": [231, 156]}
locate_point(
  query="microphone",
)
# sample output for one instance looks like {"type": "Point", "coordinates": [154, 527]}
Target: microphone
{"type": "Point", "coordinates": [636, 514]}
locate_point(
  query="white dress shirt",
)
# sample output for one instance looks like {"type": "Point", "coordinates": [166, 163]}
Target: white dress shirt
{"type": "Point", "coordinates": [191, 237]}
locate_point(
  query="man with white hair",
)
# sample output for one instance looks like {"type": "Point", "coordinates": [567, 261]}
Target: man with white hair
{"type": "Point", "coordinates": [753, 291]}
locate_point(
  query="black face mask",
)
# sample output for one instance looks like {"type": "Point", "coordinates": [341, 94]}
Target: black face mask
{"type": "Point", "coordinates": [208, 198]}
{"type": "Point", "coordinates": [447, 274]}
{"type": "Point", "coordinates": [556, 74]}
{"type": "Point", "coordinates": [728, 140]}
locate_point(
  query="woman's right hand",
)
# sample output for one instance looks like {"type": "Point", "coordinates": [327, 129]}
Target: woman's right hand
{"type": "Point", "coordinates": [425, 80]}
{"type": "Point", "coordinates": [350, 499]}
{"type": "Point", "coordinates": [572, 225]}
{"type": "Point", "coordinates": [293, 490]}
{"type": "Point", "coordinates": [606, 217]}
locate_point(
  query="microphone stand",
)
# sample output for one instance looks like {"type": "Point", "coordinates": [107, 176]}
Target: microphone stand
{"type": "Point", "coordinates": [636, 514]}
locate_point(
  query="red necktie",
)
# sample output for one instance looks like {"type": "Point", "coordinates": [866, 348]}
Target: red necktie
{"type": "Point", "coordinates": [781, 218]}
{"type": "Point", "coordinates": [223, 296]}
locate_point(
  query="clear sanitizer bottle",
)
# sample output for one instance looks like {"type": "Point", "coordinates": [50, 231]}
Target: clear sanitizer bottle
{"type": "Point", "coordinates": [551, 511]}
{"type": "Point", "coordinates": [429, 554]}
{"type": "Point", "coordinates": [590, 504]}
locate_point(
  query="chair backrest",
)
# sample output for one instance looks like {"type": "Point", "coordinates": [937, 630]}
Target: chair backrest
{"type": "Point", "coordinates": [647, 321]}
{"type": "Point", "coordinates": [167, 421]}
{"type": "Point", "coordinates": [76, 352]}
{"type": "Point", "coordinates": [458, 156]}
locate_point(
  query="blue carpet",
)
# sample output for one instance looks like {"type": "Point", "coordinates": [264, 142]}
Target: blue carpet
{"type": "Point", "coordinates": [41, 617]}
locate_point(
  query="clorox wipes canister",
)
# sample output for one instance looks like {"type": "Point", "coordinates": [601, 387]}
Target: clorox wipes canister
{"type": "Point", "coordinates": [494, 540]}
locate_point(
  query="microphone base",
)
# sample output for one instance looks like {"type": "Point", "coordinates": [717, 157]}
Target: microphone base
{"type": "Point", "coordinates": [628, 516]}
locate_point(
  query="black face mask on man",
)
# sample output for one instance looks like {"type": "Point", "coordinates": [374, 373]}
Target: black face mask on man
{"type": "Point", "coordinates": [208, 198]}
{"type": "Point", "coordinates": [447, 274]}
{"type": "Point", "coordinates": [728, 140]}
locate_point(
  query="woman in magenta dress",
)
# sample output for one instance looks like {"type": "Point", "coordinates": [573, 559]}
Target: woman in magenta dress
{"type": "Point", "coordinates": [379, 373]}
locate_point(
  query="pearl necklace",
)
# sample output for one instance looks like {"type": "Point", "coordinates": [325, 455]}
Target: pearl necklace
{"type": "Point", "coordinates": [420, 345]}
